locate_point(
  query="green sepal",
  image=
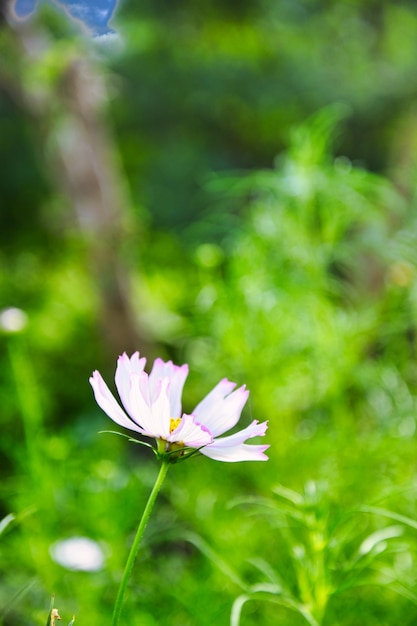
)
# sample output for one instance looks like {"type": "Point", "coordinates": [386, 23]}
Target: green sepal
{"type": "Point", "coordinates": [178, 455]}
{"type": "Point", "coordinates": [172, 456]}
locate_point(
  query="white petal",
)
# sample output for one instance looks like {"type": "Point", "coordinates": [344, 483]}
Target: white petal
{"type": "Point", "coordinates": [107, 402]}
{"type": "Point", "coordinates": [220, 410]}
{"type": "Point", "coordinates": [141, 410]}
{"type": "Point", "coordinates": [237, 453]}
{"type": "Point", "coordinates": [190, 433]}
{"type": "Point", "coordinates": [126, 367]}
{"type": "Point", "coordinates": [255, 429]}
{"type": "Point", "coordinates": [233, 448]}
{"type": "Point", "coordinates": [161, 409]}
{"type": "Point", "coordinates": [154, 419]}
{"type": "Point", "coordinates": [177, 375]}
{"type": "Point", "coordinates": [143, 380]}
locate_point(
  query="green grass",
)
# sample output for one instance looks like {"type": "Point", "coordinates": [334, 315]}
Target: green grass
{"type": "Point", "coordinates": [311, 301]}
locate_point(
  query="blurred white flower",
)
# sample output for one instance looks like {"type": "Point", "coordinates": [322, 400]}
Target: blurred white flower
{"type": "Point", "coordinates": [13, 320]}
{"type": "Point", "coordinates": [78, 553]}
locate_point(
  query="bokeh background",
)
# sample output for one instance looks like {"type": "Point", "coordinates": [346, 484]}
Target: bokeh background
{"type": "Point", "coordinates": [230, 185]}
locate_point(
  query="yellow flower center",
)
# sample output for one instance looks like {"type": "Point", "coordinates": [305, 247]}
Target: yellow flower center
{"type": "Point", "coordinates": [174, 423]}
{"type": "Point", "coordinates": [172, 450]}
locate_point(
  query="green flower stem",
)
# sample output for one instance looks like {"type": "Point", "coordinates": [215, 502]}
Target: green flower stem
{"type": "Point", "coordinates": [136, 543]}
{"type": "Point", "coordinates": [29, 402]}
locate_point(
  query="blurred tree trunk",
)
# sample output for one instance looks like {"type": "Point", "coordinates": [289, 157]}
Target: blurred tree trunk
{"type": "Point", "coordinates": [91, 178]}
{"type": "Point", "coordinates": [69, 110]}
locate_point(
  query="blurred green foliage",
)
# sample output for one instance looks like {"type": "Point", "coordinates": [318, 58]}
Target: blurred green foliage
{"type": "Point", "coordinates": [295, 274]}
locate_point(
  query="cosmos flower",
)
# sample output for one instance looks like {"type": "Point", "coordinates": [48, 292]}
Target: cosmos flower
{"type": "Point", "coordinates": [152, 407]}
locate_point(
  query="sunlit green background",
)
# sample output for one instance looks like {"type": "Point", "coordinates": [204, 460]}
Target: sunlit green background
{"type": "Point", "coordinates": [231, 185]}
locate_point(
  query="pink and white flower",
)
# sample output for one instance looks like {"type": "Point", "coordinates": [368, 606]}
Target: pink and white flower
{"type": "Point", "coordinates": [152, 407]}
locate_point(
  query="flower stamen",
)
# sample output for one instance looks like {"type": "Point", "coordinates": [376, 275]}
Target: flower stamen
{"type": "Point", "coordinates": [174, 423]}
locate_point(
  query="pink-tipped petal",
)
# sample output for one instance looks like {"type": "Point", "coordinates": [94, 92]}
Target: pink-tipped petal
{"type": "Point", "coordinates": [234, 454]}
{"type": "Point", "coordinates": [255, 429]}
{"type": "Point", "coordinates": [176, 375]}
{"type": "Point", "coordinates": [125, 367]}
{"type": "Point", "coordinates": [161, 410]}
{"type": "Point", "coordinates": [141, 410]}
{"type": "Point", "coordinates": [144, 387]}
{"type": "Point", "coordinates": [107, 402]}
{"type": "Point", "coordinates": [233, 447]}
{"type": "Point", "coordinates": [155, 418]}
{"type": "Point", "coordinates": [220, 410]}
{"type": "Point", "coordinates": [190, 433]}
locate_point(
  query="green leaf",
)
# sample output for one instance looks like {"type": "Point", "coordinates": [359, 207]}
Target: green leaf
{"type": "Point", "coordinates": [48, 621]}
{"type": "Point", "coordinates": [408, 521]}
{"type": "Point", "coordinates": [282, 601]}
{"type": "Point", "coordinates": [374, 540]}
{"type": "Point", "coordinates": [288, 494]}
{"type": "Point", "coordinates": [220, 563]}
{"type": "Point", "coordinates": [6, 521]}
